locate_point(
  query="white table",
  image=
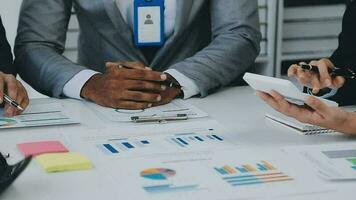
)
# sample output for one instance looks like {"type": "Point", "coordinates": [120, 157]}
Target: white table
{"type": "Point", "coordinates": [238, 109]}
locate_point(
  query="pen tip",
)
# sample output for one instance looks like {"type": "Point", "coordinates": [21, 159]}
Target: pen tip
{"type": "Point", "coordinates": [20, 108]}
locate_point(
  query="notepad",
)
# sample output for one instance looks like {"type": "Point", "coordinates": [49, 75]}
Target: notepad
{"type": "Point", "coordinates": [37, 148]}
{"type": "Point", "coordinates": [59, 162]}
{"type": "Point", "coordinates": [301, 128]}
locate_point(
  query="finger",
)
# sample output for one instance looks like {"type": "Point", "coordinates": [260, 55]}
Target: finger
{"type": "Point", "coordinates": [292, 71]}
{"type": "Point", "coordinates": [324, 75]}
{"type": "Point", "coordinates": [22, 98]}
{"type": "Point", "coordinates": [269, 99]}
{"type": "Point", "coordinates": [315, 83]}
{"type": "Point", "coordinates": [2, 82]}
{"type": "Point", "coordinates": [141, 96]}
{"type": "Point", "coordinates": [319, 107]}
{"type": "Point", "coordinates": [132, 105]}
{"type": "Point", "coordinates": [11, 86]}
{"type": "Point", "coordinates": [136, 85]}
{"type": "Point", "coordinates": [145, 75]}
{"type": "Point", "coordinates": [304, 77]}
{"type": "Point", "coordinates": [338, 82]}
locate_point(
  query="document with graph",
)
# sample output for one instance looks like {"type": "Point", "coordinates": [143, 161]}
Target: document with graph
{"type": "Point", "coordinates": [174, 108]}
{"type": "Point", "coordinates": [37, 114]}
{"type": "Point", "coordinates": [225, 174]}
{"type": "Point", "coordinates": [333, 162]}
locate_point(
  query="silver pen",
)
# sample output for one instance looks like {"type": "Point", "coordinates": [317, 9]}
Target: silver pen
{"type": "Point", "coordinates": [12, 102]}
{"type": "Point", "coordinates": [159, 118]}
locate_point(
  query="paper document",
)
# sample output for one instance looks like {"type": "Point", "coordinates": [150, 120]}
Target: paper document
{"type": "Point", "coordinates": [107, 146]}
{"type": "Point", "coordinates": [37, 115]}
{"type": "Point", "coordinates": [332, 162]}
{"type": "Point", "coordinates": [233, 174]}
{"type": "Point", "coordinates": [175, 107]}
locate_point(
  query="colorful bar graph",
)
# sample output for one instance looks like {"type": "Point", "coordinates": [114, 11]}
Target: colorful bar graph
{"type": "Point", "coordinates": [110, 148]}
{"type": "Point", "coordinates": [247, 174]}
{"type": "Point", "coordinates": [246, 168]}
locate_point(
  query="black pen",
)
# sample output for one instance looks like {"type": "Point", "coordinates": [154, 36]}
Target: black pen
{"type": "Point", "coordinates": [12, 102]}
{"type": "Point", "coordinates": [344, 72]}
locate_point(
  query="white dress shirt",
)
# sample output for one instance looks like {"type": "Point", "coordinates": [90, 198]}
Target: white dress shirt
{"type": "Point", "coordinates": [73, 87]}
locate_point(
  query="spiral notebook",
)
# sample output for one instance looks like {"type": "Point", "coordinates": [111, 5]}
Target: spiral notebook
{"type": "Point", "coordinates": [301, 128]}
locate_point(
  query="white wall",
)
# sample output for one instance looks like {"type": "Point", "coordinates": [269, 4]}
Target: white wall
{"type": "Point", "coordinates": [9, 11]}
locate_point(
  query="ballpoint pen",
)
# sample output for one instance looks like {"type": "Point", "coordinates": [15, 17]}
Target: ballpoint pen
{"type": "Point", "coordinates": [344, 72]}
{"type": "Point", "coordinates": [12, 102]}
{"type": "Point", "coordinates": [159, 118]}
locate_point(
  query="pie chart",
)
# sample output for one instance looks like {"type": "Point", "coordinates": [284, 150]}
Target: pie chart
{"type": "Point", "coordinates": [7, 122]}
{"type": "Point", "coordinates": [157, 173]}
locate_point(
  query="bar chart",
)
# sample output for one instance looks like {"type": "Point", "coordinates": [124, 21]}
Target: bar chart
{"type": "Point", "coordinates": [116, 146]}
{"type": "Point", "coordinates": [348, 155]}
{"type": "Point", "coordinates": [188, 139]}
{"type": "Point", "coordinates": [249, 174]}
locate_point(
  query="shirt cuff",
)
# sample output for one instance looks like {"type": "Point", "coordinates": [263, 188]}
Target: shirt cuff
{"type": "Point", "coordinates": [189, 87]}
{"type": "Point", "coordinates": [74, 86]}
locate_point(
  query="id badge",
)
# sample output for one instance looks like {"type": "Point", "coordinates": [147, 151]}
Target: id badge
{"type": "Point", "coordinates": [149, 22]}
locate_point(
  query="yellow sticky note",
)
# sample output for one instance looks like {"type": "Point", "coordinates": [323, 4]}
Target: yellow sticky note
{"type": "Point", "coordinates": [58, 162]}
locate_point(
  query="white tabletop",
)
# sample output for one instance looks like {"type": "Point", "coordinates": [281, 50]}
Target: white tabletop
{"type": "Point", "coordinates": [237, 109]}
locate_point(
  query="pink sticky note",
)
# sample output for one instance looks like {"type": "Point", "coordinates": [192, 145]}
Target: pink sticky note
{"type": "Point", "coordinates": [37, 148]}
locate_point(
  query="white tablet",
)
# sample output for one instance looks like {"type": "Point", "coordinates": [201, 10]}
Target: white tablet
{"type": "Point", "coordinates": [282, 86]}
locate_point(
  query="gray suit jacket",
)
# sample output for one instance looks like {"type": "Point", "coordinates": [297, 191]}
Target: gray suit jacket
{"type": "Point", "coordinates": [214, 41]}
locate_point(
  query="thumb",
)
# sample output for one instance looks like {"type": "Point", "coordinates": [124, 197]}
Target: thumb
{"type": "Point", "coordinates": [319, 106]}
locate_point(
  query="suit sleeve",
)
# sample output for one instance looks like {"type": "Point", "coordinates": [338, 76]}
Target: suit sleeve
{"type": "Point", "coordinates": [345, 55]}
{"type": "Point", "coordinates": [6, 64]}
{"type": "Point", "coordinates": [40, 43]}
{"type": "Point", "coordinates": [233, 49]}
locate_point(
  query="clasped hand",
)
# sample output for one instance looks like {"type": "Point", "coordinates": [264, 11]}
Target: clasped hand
{"type": "Point", "coordinates": [129, 85]}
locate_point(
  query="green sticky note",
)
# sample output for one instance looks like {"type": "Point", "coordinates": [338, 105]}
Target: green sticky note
{"type": "Point", "coordinates": [352, 160]}
{"type": "Point", "coordinates": [59, 162]}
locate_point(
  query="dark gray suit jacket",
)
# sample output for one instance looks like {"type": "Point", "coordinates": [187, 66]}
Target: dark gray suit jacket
{"type": "Point", "coordinates": [6, 65]}
{"type": "Point", "coordinates": [214, 41]}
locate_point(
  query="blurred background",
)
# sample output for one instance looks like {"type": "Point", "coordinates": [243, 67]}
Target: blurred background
{"type": "Point", "coordinates": [292, 30]}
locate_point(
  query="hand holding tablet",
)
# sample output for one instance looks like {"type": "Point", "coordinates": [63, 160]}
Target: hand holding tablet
{"type": "Point", "coordinates": [284, 87]}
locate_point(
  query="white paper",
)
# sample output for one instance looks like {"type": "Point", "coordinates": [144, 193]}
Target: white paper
{"type": "Point", "coordinates": [108, 145]}
{"type": "Point", "coordinates": [175, 107]}
{"type": "Point", "coordinates": [332, 162]}
{"type": "Point", "coordinates": [46, 114]}
{"type": "Point", "coordinates": [196, 176]}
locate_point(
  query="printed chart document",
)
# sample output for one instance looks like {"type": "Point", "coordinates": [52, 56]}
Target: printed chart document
{"type": "Point", "coordinates": [45, 114]}
{"type": "Point", "coordinates": [175, 107]}
{"type": "Point", "coordinates": [109, 145]}
{"type": "Point", "coordinates": [332, 162]}
{"type": "Point", "coordinates": [232, 174]}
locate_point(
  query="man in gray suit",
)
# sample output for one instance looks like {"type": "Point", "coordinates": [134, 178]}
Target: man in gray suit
{"type": "Point", "coordinates": [208, 44]}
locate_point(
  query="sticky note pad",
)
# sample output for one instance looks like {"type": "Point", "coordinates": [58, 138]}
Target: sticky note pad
{"type": "Point", "coordinates": [58, 162]}
{"type": "Point", "coordinates": [37, 148]}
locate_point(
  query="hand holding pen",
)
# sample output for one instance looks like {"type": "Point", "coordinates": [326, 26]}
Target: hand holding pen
{"type": "Point", "coordinates": [13, 95]}
{"type": "Point", "coordinates": [320, 74]}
